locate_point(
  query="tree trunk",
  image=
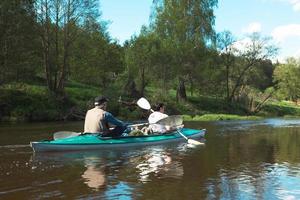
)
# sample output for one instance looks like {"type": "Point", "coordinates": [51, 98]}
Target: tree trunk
{"type": "Point", "coordinates": [181, 92]}
{"type": "Point", "coordinates": [65, 64]}
{"type": "Point", "coordinates": [261, 104]}
{"type": "Point", "coordinates": [56, 43]}
{"type": "Point", "coordinates": [143, 83]}
{"type": "Point", "coordinates": [191, 85]}
{"type": "Point", "coordinates": [130, 89]}
{"type": "Point", "coordinates": [227, 84]}
{"type": "Point", "coordinates": [239, 80]}
{"type": "Point", "coordinates": [46, 48]}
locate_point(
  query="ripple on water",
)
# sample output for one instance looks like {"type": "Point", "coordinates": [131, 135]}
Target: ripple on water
{"type": "Point", "coordinates": [267, 181]}
{"type": "Point", "coordinates": [14, 146]}
{"type": "Point", "coordinates": [226, 127]}
{"type": "Point", "coordinates": [15, 190]}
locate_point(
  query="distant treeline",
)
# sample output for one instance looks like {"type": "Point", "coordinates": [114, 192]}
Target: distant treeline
{"type": "Point", "coordinates": [51, 42]}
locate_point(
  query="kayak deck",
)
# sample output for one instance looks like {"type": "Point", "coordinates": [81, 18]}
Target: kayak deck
{"type": "Point", "coordinates": [94, 141]}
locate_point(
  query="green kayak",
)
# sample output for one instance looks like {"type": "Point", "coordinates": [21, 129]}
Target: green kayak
{"type": "Point", "coordinates": [95, 141]}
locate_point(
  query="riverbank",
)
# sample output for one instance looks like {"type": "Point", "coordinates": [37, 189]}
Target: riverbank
{"type": "Point", "coordinates": [27, 102]}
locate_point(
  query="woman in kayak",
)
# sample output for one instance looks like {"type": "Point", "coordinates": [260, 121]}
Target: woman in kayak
{"type": "Point", "coordinates": [158, 114]}
{"type": "Point", "coordinates": [97, 120]}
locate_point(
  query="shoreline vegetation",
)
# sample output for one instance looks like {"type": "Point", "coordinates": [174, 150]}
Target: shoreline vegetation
{"type": "Point", "coordinates": [30, 103]}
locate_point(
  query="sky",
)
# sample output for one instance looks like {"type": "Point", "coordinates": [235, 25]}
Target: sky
{"type": "Point", "coordinates": [279, 19]}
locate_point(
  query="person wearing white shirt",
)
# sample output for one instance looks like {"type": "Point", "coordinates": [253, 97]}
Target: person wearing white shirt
{"type": "Point", "coordinates": [158, 114]}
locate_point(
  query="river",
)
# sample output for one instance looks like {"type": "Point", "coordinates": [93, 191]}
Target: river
{"type": "Point", "coordinates": [240, 160]}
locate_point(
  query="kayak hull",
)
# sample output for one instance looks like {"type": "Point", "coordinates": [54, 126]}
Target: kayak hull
{"type": "Point", "coordinates": [93, 141]}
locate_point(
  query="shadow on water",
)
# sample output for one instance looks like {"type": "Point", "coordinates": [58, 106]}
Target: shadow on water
{"type": "Point", "coordinates": [240, 160]}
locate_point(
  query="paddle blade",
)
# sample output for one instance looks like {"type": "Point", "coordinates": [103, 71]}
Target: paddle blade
{"type": "Point", "coordinates": [172, 121]}
{"type": "Point", "coordinates": [144, 104]}
{"type": "Point", "coordinates": [64, 134]}
{"type": "Point", "coordinates": [194, 142]}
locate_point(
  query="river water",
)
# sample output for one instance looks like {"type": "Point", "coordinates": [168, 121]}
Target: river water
{"type": "Point", "coordinates": [240, 160]}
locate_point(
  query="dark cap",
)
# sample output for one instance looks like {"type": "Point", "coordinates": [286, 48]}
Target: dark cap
{"type": "Point", "coordinates": [100, 100]}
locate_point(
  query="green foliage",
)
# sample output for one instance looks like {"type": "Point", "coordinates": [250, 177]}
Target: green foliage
{"type": "Point", "coordinates": [95, 60]}
{"type": "Point", "coordinates": [19, 47]}
{"type": "Point", "coordinates": [287, 78]}
{"type": "Point", "coordinates": [281, 109]}
{"type": "Point", "coordinates": [140, 58]}
{"type": "Point", "coordinates": [27, 104]}
{"type": "Point", "coordinates": [261, 76]}
{"type": "Point", "coordinates": [185, 29]}
{"type": "Point", "coordinates": [63, 27]}
{"type": "Point", "coordinates": [35, 103]}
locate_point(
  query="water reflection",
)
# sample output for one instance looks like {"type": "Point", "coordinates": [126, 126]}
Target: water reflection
{"type": "Point", "coordinates": [108, 170]}
{"type": "Point", "coordinates": [158, 163]}
{"type": "Point", "coordinates": [243, 183]}
{"type": "Point", "coordinates": [97, 170]}
{"type": "Point", "coordinates": [94, 176]}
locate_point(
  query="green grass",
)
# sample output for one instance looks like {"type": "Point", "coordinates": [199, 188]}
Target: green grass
{"type": "Point", "coordinates": [217, 117]}
{"type": "Point", "coordinates": [25, 102]}
{"type": "Point", "coordinates": [281, 109]}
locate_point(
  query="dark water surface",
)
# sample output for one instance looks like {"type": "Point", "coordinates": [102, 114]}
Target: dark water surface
{"type": "Point", "coordinates": [240, 160]}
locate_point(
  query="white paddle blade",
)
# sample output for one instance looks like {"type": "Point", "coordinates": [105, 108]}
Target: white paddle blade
{"type": "Point", "coordinates": [144, 104]}
{"type": "Point", "coordinates": [172, 121]}
{"type": "Point", "coordinates": [64, 134]}
{"type": "Point", "coordinates": [194, 142]}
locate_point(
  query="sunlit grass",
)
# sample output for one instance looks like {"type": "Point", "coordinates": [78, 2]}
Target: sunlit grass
{"type": "Point", "coordinates": [217, 117]}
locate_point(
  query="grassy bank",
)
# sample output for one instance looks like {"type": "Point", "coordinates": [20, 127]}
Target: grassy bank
{"type": "Point", "coordinates": [217, 117]}
{"type": "Point", "coordinates": [28, 102]}
{"type": "Point", "coordinates": [25, 102]}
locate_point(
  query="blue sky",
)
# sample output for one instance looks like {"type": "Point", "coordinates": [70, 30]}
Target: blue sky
{"type": "Point", "coordinates": [279, 19]}
{"type": "Point", "coordinates": [126, 16]}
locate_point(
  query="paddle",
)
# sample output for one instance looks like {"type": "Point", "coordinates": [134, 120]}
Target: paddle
{"type": "Point", "coordinates": [171, 120]}
{"type": "Point", "coordinates": [64, 134]}
{"type": "Point", "coordinates": [67, 134]}
{"type": "Point", "coordinates": [144, 104]}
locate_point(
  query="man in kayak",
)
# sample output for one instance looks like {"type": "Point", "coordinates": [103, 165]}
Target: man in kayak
{"type": "Point", "coordinates": [97, 120]}
{"type": "Point", "coordinates": [158, 114]}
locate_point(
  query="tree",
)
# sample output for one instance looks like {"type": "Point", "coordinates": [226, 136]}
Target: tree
{"type": "Point", "coordinates": [144, 59]}
{"type": "Point", "coordinates": [249, 54]}
{"type": "Point", "coordinates": [225, 45]}
{"type": "Point", "coordinates": [58, 21]}
{"type": "Point", "coordinates": [287, 79]}
{"type": "Point", "coordinates": [94, 58]}
{"type": "Point", "coordinates": [140, 59]}
{"type": "Point", "coordinates": [184, 27]}
{"type": "Point", "coordinates": [19, 48]}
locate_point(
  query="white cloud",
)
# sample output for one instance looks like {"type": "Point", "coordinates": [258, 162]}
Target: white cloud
{"type": "Point", "coordinates": [297, 54]}
{"type": "Point", "coordinates": [282, 33]}
{"type": "Point", "coordinates": [242, 44]}
{"type": "Point", "coordinates": [295, 4]}
{"type": "Point", "coordinates": [283, 58]}
{"type": "Point", "coordinates": [252, 27]}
